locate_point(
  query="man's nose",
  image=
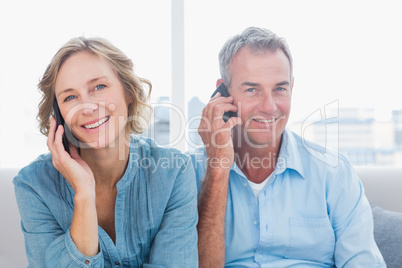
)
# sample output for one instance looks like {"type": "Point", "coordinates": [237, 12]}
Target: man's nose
{"type": "Point", "coordinates": [267, 103]}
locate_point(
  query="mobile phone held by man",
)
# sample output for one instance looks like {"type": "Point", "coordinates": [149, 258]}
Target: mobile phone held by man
{"type": "Point", "coordinates": [60, 121]}
{"type": "Point", "coordinates": [224, 93]}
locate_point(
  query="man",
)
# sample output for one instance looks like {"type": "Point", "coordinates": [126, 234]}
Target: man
{"type": "Point", "coordinates": [264, 199]}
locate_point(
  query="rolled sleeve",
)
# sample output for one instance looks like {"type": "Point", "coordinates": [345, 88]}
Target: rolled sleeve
{"type": "Point", "coordinates": [46, 243]}
{"type": "Point", "coordinates": [64, 253]}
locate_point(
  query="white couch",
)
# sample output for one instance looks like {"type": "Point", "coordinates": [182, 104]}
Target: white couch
{"type": "Point", "coordinates": [383, 187]}
{"type": "Point", "coordinates": [12, 251]}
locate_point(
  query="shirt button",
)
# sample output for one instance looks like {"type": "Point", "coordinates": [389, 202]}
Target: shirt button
{"type": "Point", "coordinates": [117, 263]}
{"type": "Point", "coordinates": [87, 262]}
{"type": "Point", "coordinates": [255, 222]}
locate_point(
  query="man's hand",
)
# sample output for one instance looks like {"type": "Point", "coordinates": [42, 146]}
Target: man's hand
{"type": "Point", "coordinates": [216, 135]}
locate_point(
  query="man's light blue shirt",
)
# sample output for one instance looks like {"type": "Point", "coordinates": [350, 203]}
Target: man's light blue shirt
{"type": "Point", "coordinates": [155, 213]}
{"type": "Point", "coordinates": [312, 212]}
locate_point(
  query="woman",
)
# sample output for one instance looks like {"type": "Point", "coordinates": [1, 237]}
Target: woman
{"type": "Point", "coordinates": [108, 202]}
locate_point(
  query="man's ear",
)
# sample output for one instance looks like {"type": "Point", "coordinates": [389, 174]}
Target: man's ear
{"type": "Point", "coordinates": [293, 82]}
{"type": "Point", "coordinates": [219, 81]}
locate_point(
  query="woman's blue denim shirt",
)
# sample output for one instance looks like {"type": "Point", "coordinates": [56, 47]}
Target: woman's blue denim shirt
{"type": "Point", "coordinates": [155, 213]}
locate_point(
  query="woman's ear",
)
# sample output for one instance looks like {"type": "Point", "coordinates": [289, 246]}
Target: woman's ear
{"type": "Point", "coordinates": [129, 99]}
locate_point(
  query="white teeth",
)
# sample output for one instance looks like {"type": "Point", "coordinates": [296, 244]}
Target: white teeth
{"type": "Point", "coordinates": [97, 124]}
{"type": "Point", "coordinates": [264, 121]}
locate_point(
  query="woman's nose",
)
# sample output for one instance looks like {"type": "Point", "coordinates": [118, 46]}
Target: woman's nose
{"type": "Point", "coordinates": [83, 108]}
{"type": "Point", "coordinates": [88, 108]}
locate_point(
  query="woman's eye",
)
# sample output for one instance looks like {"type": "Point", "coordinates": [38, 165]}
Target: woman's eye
{"type": "Point", "coordinates": [69, 98]}
{"type": "Point", "coordinates": [98, 87]}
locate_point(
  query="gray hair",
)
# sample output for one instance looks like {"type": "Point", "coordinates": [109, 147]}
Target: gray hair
{"type": "Point", "coordinates": [257, 40]}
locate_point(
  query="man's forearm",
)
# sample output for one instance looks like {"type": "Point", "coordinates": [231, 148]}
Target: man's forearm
{"type": "Point", "coordinates": [211, 224]}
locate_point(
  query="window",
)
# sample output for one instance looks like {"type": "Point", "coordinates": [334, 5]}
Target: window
{"type": "Point", "coordinates": [32, 32]}
{"type": "Point", "coordinates": [347, 57]}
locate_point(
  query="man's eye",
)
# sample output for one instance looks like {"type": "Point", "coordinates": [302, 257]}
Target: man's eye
{"type": "Point", "coordinates": [280, 89]}
{"type": "Point", "coordinates": [69, 98]}
{"type": "Point", "coordinates": [251, 90]}
{"type": "Point", "coordinates": [98, 87]}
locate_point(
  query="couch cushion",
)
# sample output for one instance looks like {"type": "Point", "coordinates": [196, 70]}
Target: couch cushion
{"type": "Point", "coordinates": [388, 235]}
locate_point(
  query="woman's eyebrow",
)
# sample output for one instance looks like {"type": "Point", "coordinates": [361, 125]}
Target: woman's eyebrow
{"type": "Point", "coordinates": [88, 83]}
{"type": "Point", "coordinates": [64, 91]}
{"type": "Point", "coordinates": [95, 79]}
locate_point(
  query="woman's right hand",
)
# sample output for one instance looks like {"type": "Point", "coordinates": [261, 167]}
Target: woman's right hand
{"type": "Point", "coordinates": [83, 230]}
{"type": "Point", "coordinates": [72, 167]}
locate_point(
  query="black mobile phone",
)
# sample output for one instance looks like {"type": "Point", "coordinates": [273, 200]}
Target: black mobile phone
{"type": "Point", "coordinates": [224, 93]}
{"type": "Point", "coordinates": [60, 121]}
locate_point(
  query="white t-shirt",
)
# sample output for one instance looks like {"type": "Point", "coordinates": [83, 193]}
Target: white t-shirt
{"type": "Point", "coordinates": [257, 187]}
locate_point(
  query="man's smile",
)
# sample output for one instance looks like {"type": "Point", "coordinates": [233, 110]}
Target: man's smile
{"type": "Point", "coordinates": [265, 120]}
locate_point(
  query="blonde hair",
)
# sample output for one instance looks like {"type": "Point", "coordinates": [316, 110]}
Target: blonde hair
{"type": "Point", "coordinates": [139, 111]}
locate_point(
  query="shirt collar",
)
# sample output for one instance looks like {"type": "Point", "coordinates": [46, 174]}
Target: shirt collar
{"type": "Point", "coordinates": [236, 169]}
{"type": "Point", "coordinates": [137, 148]}
{"type": "Point", "coordinates": [289, 156]}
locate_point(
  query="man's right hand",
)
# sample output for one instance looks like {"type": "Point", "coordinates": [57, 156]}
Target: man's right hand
{"type": "Point", "coordinates": [216, 134]}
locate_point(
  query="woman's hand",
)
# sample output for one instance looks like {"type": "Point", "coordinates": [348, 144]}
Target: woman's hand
{"type": "Point", "coordinates": [72, 167]}
{"type": "Point", "coordinates": [84, 225]}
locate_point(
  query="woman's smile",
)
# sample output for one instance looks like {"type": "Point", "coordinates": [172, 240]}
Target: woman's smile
{"type": "Point", "coordinates": [96, 123]}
